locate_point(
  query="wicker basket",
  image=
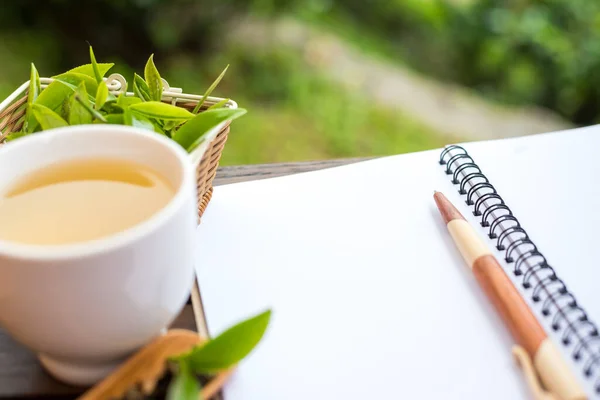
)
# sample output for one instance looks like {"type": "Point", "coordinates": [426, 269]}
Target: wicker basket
{"type": "Point", "coordinates": [206, 157]}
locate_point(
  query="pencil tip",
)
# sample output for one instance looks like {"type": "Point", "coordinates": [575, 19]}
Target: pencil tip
{"type": "Point", "coordinates": [446, 208]}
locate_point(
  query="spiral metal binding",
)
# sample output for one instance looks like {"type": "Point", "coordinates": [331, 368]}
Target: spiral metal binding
{"type": "Point", "coordinates": [536, 275]}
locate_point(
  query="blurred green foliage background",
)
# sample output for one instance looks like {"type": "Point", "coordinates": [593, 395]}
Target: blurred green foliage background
{"type": "Point", "coordinates": [544, 53]}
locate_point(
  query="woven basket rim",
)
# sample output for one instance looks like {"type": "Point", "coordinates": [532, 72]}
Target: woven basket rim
{"type": "Point", "coordinates": [117, 84]}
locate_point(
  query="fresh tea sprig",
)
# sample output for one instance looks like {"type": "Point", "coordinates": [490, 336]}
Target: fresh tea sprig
{"type": "Point", "coordinates": [218, 354]}
{"type": "Point", "coordinates": [209, 90]}
{"type": "Point", "coordinates": [95, 66]}
{"type": "Point", "coordinates": [81, 96]}
{"type": "Point", "coordinates": [153, 80]}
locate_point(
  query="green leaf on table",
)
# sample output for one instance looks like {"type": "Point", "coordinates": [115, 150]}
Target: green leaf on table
{"type": "Point", "coordinates": [101, 95]}
{"type": "Point", "coordinates": [124, 101]}
{"type": "Point", "coordinates": [190, 135]}
{"type": "Point", "coordinates": [218, 105]}
{"type": "Point", "coordinates": [47, 118]}
{"type": "Point", "coordinates": [160, 110]}
{"type": "Point", "coordinates": [79, 106]}
{"type": "Point", "coordinates": [155, 84]}
{"type": "Point", "coordinates": [75, 78]}
{"type": "Point", "coordinates": [209, 90]}
{"type": "Point", "coordinates": [88, 69]}
{"type": "Point", "coordinates": [229, 347]}
{"type": "Point", "coordinates": [140, 88]}
{"type": "Point", "coordinates": [184, 385]}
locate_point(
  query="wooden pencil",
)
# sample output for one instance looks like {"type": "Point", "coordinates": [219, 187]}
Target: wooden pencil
{"type": "Point", "coordinates": [514, 311]}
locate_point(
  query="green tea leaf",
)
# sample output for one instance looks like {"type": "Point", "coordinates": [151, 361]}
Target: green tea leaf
{"type": "Point", "coordinates": [139, 121]}
{"type": "Point", "coordinates": [72, 87]}
{"type": "Point", "coordinates": [184, 385]}
{"type": "Point", "coordinates": [52, 97]}
{"type": "Point", "coordinates": [115, 119]}
{"type": "Point", "coordinates": [218, 105]}
{"type": "Point", "coordinates": [190, 135]}
{"type": "Point", "coordinates": [111, 107]}
{"type": "Point", "coordinates": [85, 104]}
{"type": "Point", "coordinates": [228, 348]}
{"type": "Point", "coordinates": [65, 109]}
{"type": "Point", "coordinates": [75, 78]}
{"type": "Point", "coordinates": [65, 83]}
{"type": "Point", "coordinates": [88, 69]}
{"type": "Point", "coordinates": [95, 67]}
{"type": "Point", "coordinates": [47, 118]}
{"type": "Point", "coordinates": [78, 107]}
{"type": "Point", "coordinates": [153, 80]}
{"type": "Point", "coordinates": [124, 101]}
{"type": "Point", "coordinates": [35, 87]}
{"type": "Point", "coordinates": [171, 125]}
{"type": "Point", "coordinates": [158, 129]}
{"type": "Point", "coordinates": [209, 90]}
{"type": "Point", "coordinates": [15, 135]}
{"type": "Point", "coordinates": [159, 110]}
{"type": "Point", "coordinates": [54, 94]}
{"type": "Point", "coordinates": [140, 88]}
{"type": "Point", "coordinates": [101, 95]}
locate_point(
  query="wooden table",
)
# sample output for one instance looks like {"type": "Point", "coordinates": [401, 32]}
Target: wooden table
{"type": "Point", "coordinates": [21, 377]}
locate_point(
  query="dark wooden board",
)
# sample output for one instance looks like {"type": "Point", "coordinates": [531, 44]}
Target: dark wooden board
{"type": "Point", "coordinates": [244, 173]}
{"type": "Point", "coordinates": [21, 376]}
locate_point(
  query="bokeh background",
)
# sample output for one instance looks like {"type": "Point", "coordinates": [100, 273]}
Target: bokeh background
{"type": "Point", "coordinates": [336, 78]}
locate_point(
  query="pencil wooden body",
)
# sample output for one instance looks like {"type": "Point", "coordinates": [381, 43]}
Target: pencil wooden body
{"type": "Point", "coordinates": [515, 313]}
{"type": "Point", "coordinates": [518, 317]}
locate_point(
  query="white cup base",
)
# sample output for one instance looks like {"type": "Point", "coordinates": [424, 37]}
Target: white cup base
{"type": "Point", "coordinates": [78, 374]}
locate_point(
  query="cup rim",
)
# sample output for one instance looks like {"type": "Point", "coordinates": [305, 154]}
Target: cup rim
{"type": "Point", "coordinates": [116, 240]}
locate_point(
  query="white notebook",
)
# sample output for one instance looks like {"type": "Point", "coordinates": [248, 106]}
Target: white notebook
{"type": "Point", "coordinates": [370, 297]}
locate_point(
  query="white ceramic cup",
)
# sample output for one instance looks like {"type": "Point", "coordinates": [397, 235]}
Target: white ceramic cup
{"type": "Point", "coordinates": [84, 307]}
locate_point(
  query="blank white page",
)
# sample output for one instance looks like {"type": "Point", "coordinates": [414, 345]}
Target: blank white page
{"type": "Point", "coordinates": [370, 297]}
